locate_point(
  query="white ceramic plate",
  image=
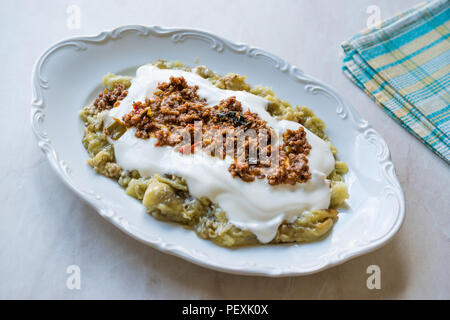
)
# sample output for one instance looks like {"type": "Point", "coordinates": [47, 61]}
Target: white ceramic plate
{"type": "Point", "coordinates": [68, 75]}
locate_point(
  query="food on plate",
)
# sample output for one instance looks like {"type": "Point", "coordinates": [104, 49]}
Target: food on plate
{"type": "Point", "coordinates": [232, 162]}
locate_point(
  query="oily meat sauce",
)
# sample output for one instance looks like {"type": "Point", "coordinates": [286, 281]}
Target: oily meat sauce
{"type": "Point", "coordinates": [175, 107]}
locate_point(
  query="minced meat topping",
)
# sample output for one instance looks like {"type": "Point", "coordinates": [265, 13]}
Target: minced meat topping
{"type": "Point", "coordinates": [109, 99]}
{"type": "Point", "coordinates": [174, 111]}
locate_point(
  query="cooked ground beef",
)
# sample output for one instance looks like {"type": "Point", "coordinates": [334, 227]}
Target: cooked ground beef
{"type": "Point", "coordinates": [109, 99]}
{"type": "Point", "coordinates": [293, 166]}
{"type": "Point", "coordinates": [175, 108]}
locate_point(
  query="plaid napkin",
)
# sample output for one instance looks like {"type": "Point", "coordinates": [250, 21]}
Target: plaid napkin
{"type": "Point", "coordinates": [404, 65]}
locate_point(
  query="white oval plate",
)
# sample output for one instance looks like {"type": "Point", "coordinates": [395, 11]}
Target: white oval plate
{"type": "Point", "coordinates": [67, 76]}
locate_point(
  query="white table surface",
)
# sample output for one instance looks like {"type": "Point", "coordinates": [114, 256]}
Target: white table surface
{"type": "Point", "coordinates": [45, 227]}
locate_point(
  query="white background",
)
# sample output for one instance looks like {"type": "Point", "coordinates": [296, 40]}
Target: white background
{"type": "Point", "coordinates": [44, 227]}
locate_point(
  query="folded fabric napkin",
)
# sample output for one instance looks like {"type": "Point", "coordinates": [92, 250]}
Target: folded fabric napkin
{"type": "Point", "coordinates": [404, 65]}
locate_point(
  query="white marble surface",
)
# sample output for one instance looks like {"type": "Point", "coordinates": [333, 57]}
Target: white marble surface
{"type": "Point", "coordinates": [45, 227]}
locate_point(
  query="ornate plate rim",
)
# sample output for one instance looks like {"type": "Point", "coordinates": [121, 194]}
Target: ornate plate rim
{"type": "Point", "coordinates": [344, 110]}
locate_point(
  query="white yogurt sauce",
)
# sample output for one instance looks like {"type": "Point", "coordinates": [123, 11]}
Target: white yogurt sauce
{"type": "Point", "coordinates": [255, 206]}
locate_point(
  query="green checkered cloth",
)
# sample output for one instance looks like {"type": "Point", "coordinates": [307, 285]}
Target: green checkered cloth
{"type": "Point", "coordinates": [404, 65]}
